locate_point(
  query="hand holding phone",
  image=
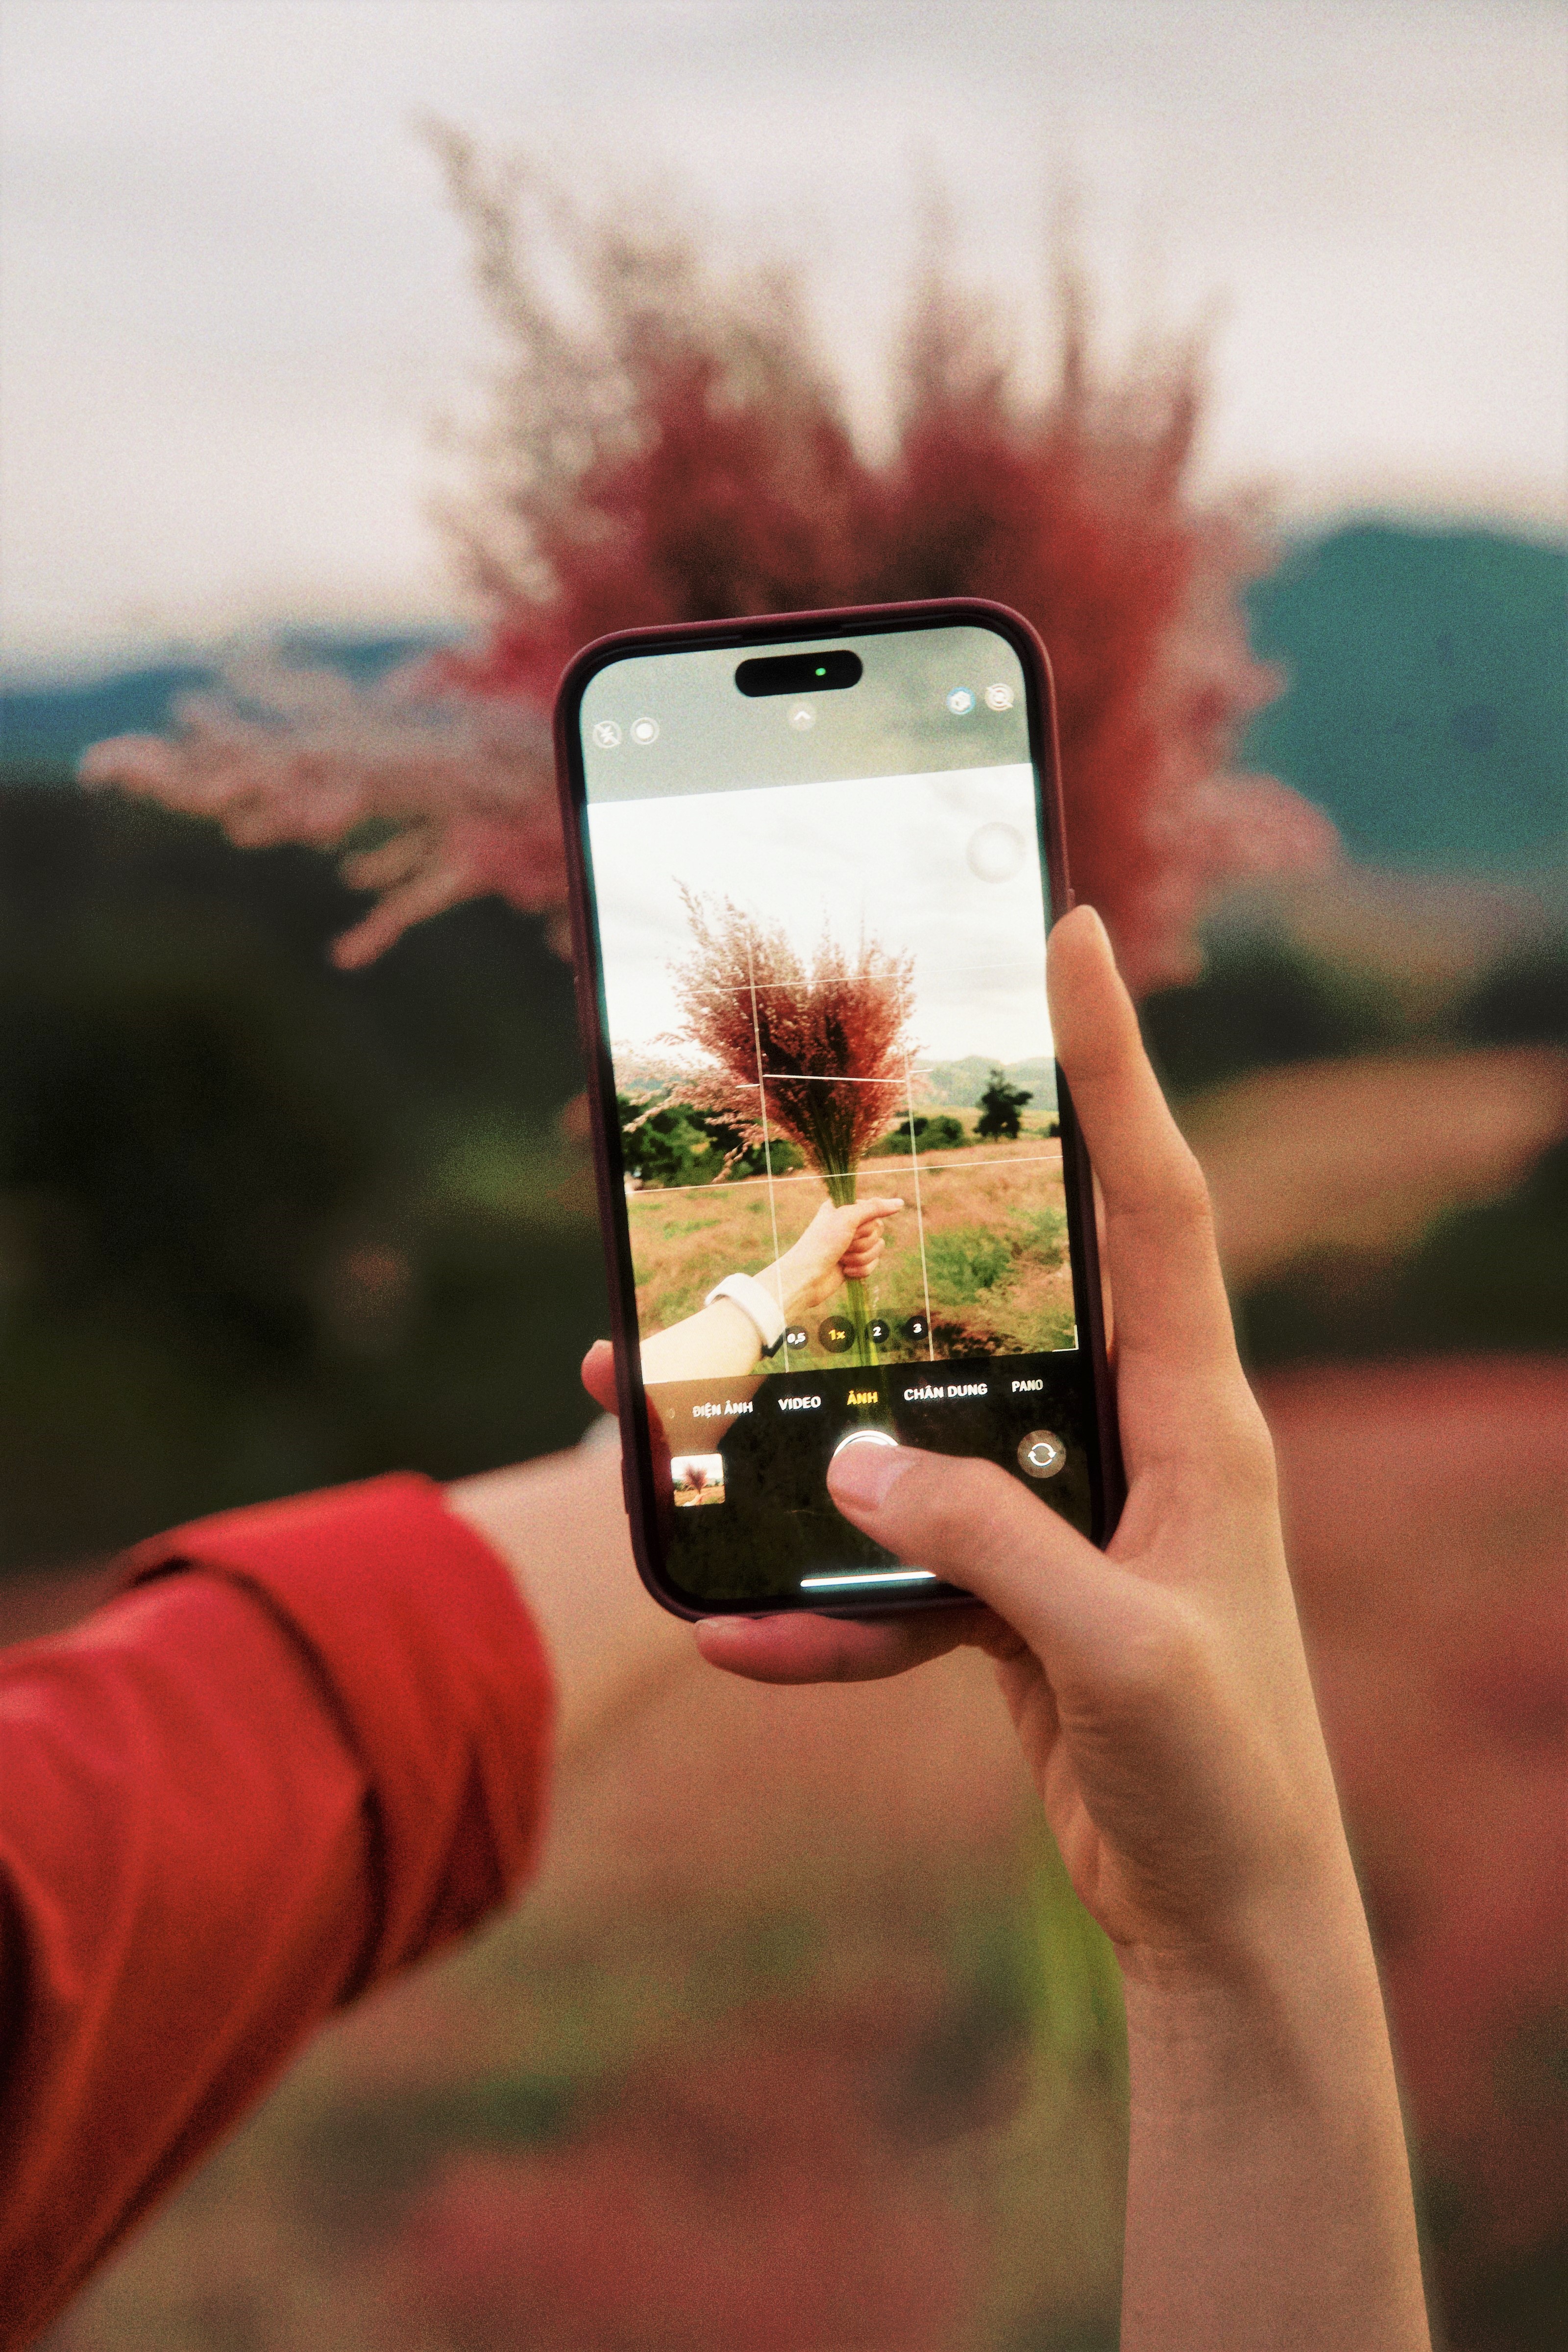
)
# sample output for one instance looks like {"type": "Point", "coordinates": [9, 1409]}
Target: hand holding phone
{"type": "Point", "coordinates": [1161, 1695]}
{"type": "Point", "coordinates": [1160, 1688]}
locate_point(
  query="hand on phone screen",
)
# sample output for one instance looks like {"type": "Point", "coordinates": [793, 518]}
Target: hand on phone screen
{"type": "Point", "coordinates": [725, 1339]}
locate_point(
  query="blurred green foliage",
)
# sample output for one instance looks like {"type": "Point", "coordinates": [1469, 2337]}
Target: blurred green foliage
{"type": "Point", "coordinates": [264, 1225]}
{"type": "Point", "coordinates": [1489, 1277]}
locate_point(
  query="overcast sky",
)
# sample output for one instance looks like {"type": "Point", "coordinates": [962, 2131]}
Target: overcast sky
{"type": "Point", "coordinates": [236, 308]}
{"type": "Point", "coordinates": [941, 867]}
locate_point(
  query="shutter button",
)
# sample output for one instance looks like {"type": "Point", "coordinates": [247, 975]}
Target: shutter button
{"type": "Point", "coordinates": [864, 1437]}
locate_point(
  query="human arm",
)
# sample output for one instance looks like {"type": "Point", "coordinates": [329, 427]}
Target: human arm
{"type": "Point", "coordinates": [560, 1524]}
{"type": "Point", "coordinates": [721, 1343]}
{"type": "Point", "coordinates": [309, 1751]}
{"type": "Point", "coordinates": [1161, 1698]}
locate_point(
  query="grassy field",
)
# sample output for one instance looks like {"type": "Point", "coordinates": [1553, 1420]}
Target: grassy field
{"type": "Point", "coordinates": [994, 1273]}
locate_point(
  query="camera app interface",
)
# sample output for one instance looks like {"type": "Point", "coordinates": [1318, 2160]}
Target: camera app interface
{"type": "Point", "coordinates": [822, 911]}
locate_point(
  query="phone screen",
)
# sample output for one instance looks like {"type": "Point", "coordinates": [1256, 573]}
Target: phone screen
{"type": "Point", "coordinates": [819, 884]}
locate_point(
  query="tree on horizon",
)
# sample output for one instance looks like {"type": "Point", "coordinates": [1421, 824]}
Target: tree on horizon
{"type": "Point", "coordinates": [1002, 1107]}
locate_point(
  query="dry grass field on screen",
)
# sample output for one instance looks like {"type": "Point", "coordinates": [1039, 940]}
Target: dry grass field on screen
{"type": "Point", "coordinates": [995, 1249]}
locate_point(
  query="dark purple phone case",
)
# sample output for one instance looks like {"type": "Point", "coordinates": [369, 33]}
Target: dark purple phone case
{"type": "Point", "coordinates": [636, 1458]}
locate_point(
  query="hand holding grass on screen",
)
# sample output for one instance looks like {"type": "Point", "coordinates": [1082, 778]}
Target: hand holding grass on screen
{"type": "Point", "coordinates": [816, 1051]}
{"type": "Point", "coordinates": [841, 1245]}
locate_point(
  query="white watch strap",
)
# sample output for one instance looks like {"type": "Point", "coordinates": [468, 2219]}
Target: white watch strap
{"type": "Point", "coordinates": [749, 1295]}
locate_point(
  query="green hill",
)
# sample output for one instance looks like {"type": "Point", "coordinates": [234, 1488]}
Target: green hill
{"type": "Point", "coordinates": [958, 1086]}
{"type": "Point", "coordinates": [1427, 708]}
{"type": "Point", "coordinates": [47, 725]}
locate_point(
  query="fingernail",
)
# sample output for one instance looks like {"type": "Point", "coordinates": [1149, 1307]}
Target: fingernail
{"type": "Point", "coordinates": [866, 1474]}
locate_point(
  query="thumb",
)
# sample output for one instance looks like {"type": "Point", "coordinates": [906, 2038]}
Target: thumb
{"type": "Point", "coordinates": [983, 1531]}
{"type": "Point", "coordinates": [599, 1374]}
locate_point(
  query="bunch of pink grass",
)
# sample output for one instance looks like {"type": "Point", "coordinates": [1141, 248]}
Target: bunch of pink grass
{"type": "Point", "coordinates": [667, 444]}
{"type": "Point", "coordinates": [819, 1053]}
{"type": "Point", "coordinates": [462, 790]}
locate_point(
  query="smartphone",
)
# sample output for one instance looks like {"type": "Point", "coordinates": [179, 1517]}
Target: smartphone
{"type": "Point", "coordinates": [812, 860]}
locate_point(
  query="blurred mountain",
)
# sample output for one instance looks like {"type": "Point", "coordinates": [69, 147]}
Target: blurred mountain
{"type": "Point", "coordinates": [49, 724]}
{"type": "Point", "coordinates": [1426, 703]}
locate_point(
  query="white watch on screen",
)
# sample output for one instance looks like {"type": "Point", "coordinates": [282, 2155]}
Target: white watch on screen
{"type": "Point", "coordinates": [745, 1291]}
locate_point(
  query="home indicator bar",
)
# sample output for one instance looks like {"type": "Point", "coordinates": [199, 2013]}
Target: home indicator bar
{"type": "Point", "coordinates": [868, 1576]}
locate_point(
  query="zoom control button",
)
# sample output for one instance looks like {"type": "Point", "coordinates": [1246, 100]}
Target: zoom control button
{"type": "Point", "coordinates": [1041, 1455]}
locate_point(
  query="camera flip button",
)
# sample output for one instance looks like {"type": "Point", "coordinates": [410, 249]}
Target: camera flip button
{"type": "Point", "coordinates": [1041, 1455]}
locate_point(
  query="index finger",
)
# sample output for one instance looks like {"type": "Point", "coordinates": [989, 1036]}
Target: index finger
{"type": "Point", "coordinates": [1170, 1297]}
{"type": "Point", "coordinates": [800, 1648]}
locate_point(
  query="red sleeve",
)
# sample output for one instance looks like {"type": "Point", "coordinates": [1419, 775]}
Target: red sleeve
{"type": "Point", "coordinates": [230, 1800]}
